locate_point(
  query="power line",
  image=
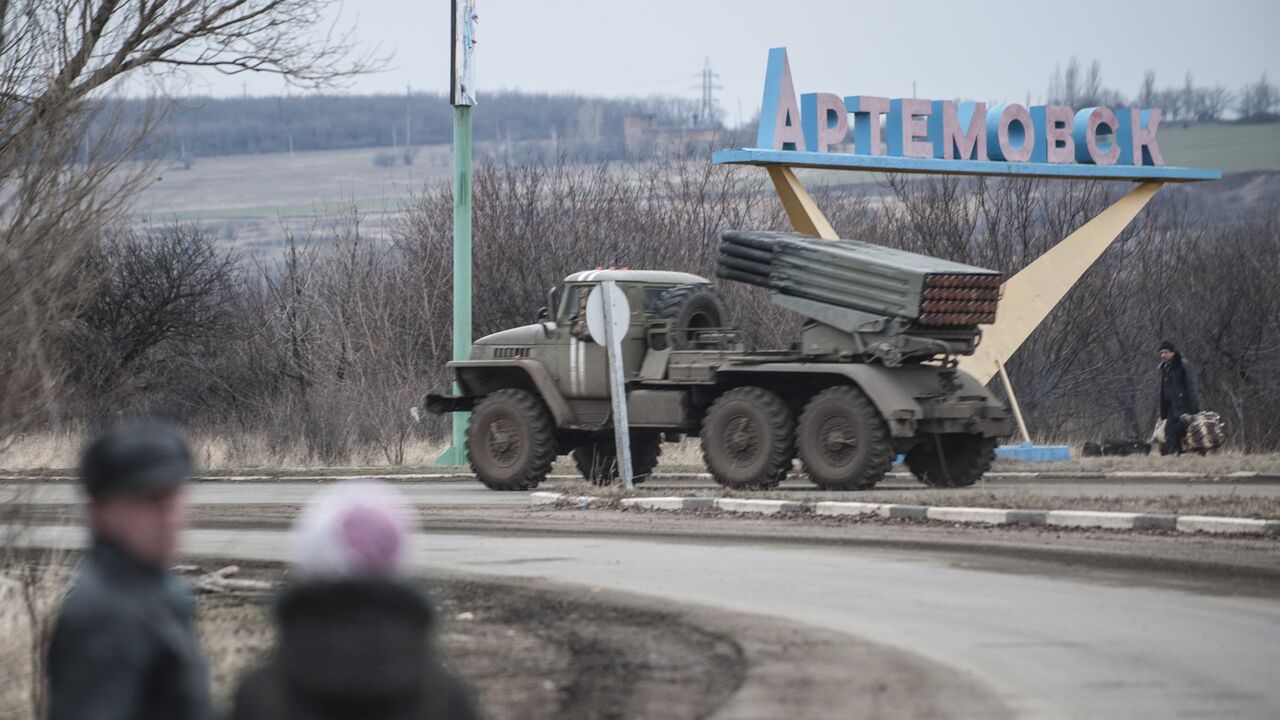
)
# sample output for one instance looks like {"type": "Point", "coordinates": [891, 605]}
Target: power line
{"type": "Point", "coordinates": [707, 112]}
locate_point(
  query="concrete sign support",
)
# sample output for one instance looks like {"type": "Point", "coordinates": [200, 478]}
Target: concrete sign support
{"type": "Point", "coordinates": [462, 97]}
{"type": "Point", "coordinates": [608, 319]}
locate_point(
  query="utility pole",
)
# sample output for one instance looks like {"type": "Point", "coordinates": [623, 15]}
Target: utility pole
{"type": "Point", "coordinates": [462, 97]}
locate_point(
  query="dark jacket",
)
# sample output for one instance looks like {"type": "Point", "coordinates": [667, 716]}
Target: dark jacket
{"type": "Point", "coordinates": [1179, 391]}
{"type": "Point", "coordinates": [124, 645]}
{"type": "Point", "coordinates": [353, 649]}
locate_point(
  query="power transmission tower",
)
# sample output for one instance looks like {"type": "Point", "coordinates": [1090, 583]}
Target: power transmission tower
{"type": "Point", "coordinates": [707, 112]}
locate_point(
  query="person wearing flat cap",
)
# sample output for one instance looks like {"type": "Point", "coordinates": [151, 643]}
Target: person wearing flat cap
{"type": "Point", "coordinates": [124, 645]}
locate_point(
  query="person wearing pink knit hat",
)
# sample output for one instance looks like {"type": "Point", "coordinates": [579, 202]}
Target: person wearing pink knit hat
{"type": "Point", "coordinates": [354, 632]}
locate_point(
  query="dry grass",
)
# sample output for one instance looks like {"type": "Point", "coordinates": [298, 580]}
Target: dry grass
{"type": "Point", "coordinates": [686, 456]}
{"type": "Point", "coordinates": [219, 454]}
{"type": "Point", "coordinates": [235, 633]}
{"type": "Point", "coordinates": [30, 591]}
{"type": "Point", "coordinates": [61, 451]}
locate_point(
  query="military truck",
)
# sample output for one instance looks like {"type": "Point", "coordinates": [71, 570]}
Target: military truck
{"type": "Point", "coordinates": [873, 375]}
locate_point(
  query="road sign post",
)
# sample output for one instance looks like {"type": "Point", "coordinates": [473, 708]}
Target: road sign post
{"type": "Point", "coordinates": [608, 319]}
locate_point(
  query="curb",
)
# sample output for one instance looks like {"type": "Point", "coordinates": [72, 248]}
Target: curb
{"type": "Point", "coordinates": [1093, 519]}
{"type": "Point", "coordinates": [1043, 476]}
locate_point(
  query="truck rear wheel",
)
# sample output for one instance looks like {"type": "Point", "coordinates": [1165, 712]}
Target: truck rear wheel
{"type": "Point", "coordinates": [511, 440]}
{"type": "Point", "coordinates": [964, 459]}
{"type": "Point", "coordinates": [843, 441]}
{"type": "Point", "coordinates": [597, 459]}
{"type": "Point", "coordinates": [689, 308]}
{"type": "Point", "coordinates": [748, 438]}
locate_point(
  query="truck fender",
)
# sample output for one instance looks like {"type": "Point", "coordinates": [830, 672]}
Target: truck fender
{"type": "Point", "coordinates": [478, 378]}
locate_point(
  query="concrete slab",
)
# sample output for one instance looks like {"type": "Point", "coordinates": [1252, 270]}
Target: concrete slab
{"type": "Point", "coordinates": [767, 507]}
{"type": "Point", "coordinates": [1224, 525]}
{"type": "Point", "coordinates": [1091, 518]}
{"type": "Point", "coordinates": [990, 516]}
{"type": "Point", "coordinates": [670, 503]}
{"type": "Point", "coordinates": [846, 508]}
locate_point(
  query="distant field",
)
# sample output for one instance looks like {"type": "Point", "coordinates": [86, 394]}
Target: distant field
{"type": "Point", "coordinates": [1232, 148]}
{"type": "Point", "coordinates": [251, 199]}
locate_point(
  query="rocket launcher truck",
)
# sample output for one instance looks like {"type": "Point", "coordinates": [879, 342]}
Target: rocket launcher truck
{"type": "Point", "coordinates": [872, 374]}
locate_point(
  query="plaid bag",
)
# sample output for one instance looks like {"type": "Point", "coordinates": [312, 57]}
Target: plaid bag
{"type": "Point", "coordinates": [1205, 431]}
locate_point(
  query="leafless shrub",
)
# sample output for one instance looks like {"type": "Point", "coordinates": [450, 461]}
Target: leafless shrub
{"type": "Point", "coordinates": [316, 356]}
{"type": "Point", "coordinates": [64, 175]}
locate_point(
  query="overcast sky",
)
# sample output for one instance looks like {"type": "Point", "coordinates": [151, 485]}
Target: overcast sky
{"type": "Point", "coordinates": [998, 51]}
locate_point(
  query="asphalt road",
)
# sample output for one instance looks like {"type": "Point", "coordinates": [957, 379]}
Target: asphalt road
{"type": "Point", "coordinates": [470, 492]}
{"type": "Point", "coordinates": [1051, 643]}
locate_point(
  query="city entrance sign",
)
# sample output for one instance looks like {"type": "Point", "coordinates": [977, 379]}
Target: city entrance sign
{"type": "Point", "coordinates": [940, 137]}
{"type": "Point", "coordinates": [825, 129]}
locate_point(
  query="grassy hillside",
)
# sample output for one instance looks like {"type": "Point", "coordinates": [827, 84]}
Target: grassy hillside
{"type": "Point", "coordinates": [1231, 148]}
{"type": "Point", "coordinates": [251, 198]}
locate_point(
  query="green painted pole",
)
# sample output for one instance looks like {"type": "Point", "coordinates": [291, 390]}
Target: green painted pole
{"type": "Point", "coordinates": [457, 453]}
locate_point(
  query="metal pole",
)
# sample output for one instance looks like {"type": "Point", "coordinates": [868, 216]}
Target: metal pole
{"type": "Point", "coordinates": [617, 385]}
{"type": "Point", "coordinates": [457, 453]}
{"type": "Point", "coordinates": [1013, 402]}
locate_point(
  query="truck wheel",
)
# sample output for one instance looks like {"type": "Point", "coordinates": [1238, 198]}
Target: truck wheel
{"type": "Point", "coordinates": [511, 440]}
{"type": "Point", "coordinates": [964, 460]}
{"type": "Point", "coordinates": [689, 308]}
{"type": "Point", "coordinates": [597, 459]}
{"type": "Point", "coordinates": [843, 441]}
{"type": "Point", "coordinates": [748, 438]}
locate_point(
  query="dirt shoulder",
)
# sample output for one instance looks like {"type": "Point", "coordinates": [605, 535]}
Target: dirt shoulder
{"type": "Point", "coordinates": [534, 650]}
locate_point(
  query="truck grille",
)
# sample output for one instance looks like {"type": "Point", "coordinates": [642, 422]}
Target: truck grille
{"type": "Point", "coordinates": [506, 353]}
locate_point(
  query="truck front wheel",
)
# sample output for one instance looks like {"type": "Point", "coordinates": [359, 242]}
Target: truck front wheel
{"type": "Point", "coordinates": [597, 459]}
{"type": "Point", "coordinates": [843, 441]}
{"type": "Point", "coordinates": [748, 438]}
{"type": "Point", "coordinates": [511, 440]}
{"type": "Point", "coordinates": [963, 460]}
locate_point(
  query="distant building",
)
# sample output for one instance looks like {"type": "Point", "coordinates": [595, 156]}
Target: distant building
{"type": "Point", "coordinates": [643, 137]}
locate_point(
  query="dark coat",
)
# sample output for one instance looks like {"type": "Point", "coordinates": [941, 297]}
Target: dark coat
{"type": "Point", "coordinates": [124, 646]}
{"type": "Point", "coordinates": [353, 649]}
{"type": "Point", "coordinates": [1179, 391]}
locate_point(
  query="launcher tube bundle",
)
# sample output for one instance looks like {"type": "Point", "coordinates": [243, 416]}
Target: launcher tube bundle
{"type": "Point", "coordinates": [930, 292]}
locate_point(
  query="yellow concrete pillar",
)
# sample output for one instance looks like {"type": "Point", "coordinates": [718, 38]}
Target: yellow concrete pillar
{"type": "Point", "coordinates": [1031, 294]}
{"type": "Point", "coordinates": [801, 209]}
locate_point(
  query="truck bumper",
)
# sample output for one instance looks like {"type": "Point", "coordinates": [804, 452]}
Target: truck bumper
{"type": "Point", "coordinates": [439, 404]}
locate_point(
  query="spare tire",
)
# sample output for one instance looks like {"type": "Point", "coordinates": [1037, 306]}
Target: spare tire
{"type": "Point", "coordinates": [690, 308]}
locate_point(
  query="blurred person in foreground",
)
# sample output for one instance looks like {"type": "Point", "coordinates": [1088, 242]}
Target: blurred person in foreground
{"type": "Point", "coordinates": [355, 635]}
{"type": "Point", "coordinates": [1179, 396]}
{"type": "Point", "coordinates": [123, 645]}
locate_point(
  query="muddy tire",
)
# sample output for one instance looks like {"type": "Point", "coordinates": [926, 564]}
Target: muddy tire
{"type": "Point", "coordinates": [511, 440]}
{"type": "Point", "coordinates": [965, 458]}
{"type": "Point", "coordinates": [689, 308]}
{"type": "Point", "coordinates": [842, 440]}
{"type": "Point", "coordinates": [748, 438]}
{"type": "Point", "coordinates": [597, 459]}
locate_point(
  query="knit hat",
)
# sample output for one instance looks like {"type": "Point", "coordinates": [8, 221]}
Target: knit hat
{"type": "Point", "coordinates": [1166, 345]}
{"type": "Point", "coordinates": [352, 529]}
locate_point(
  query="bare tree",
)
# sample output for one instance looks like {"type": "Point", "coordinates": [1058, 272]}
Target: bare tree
{"type": "Point", "coordinates": [1258, 100]}
{"type": "Point", "coordinates": [63, 178]}
{"type": "Point", "coordinates": [1147, 93]}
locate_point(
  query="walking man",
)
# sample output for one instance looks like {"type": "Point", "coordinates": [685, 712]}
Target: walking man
{"type": "Point", "coordinates": [124, 645]}
{"type": "Point", "coordinates": [1179, 396]}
